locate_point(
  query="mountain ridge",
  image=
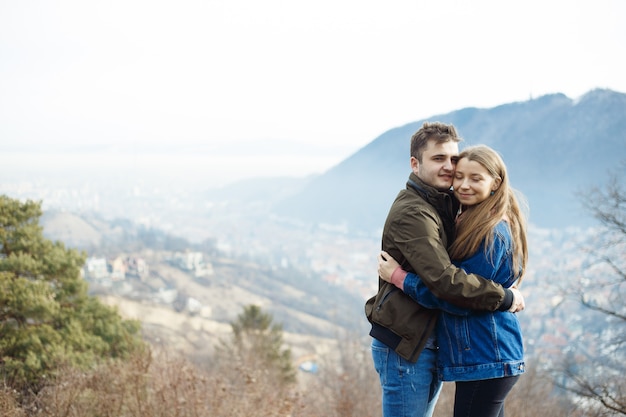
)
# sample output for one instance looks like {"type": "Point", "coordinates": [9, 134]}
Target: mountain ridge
{"type": "Point", "coordinates": [551, 144]}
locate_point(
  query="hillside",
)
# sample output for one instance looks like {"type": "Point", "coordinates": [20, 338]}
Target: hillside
{"type": "Point", "coordinates": [297, 297]}
{"type": "Point", "coordinates": [196, 336]}
{"type": "Point", "coordinates": [554, 147]}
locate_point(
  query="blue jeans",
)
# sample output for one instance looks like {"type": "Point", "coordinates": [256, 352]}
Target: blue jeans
{"type": "Point", "coordinates": [409, 389]}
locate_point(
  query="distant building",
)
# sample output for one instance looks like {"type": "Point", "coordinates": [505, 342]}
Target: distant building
{"type": "Point", "coordinates": [117, 269]}
{"type": "Point", "coordinates": [308, 366]}
{"type": "Point", "coordinates": [96, 268]}
{"type": "Point", "coordinates": [308, 363]}
{"type": "Point", "coordinates": [189, 261]}
{"type": "Point", "coordinates": [166, 296]}
{"type": "Point", "coordinates": [193, 262]}
{"type": "Point", "coordinates": [137, 267]}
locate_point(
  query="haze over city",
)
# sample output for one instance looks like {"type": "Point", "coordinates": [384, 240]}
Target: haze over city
{"type": "Point", "coordinates": [274, 88]}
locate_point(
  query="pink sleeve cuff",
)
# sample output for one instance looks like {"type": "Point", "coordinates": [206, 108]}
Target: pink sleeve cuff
{"type": "Point", "coordinates": [397, 278]}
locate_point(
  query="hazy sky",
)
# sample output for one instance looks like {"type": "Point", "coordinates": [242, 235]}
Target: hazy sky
{"type": "Point", "coordinates": [285, 87]}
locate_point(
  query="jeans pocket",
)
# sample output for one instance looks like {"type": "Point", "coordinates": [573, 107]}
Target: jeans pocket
{"type": "Point", "coordinates": [380, 356]}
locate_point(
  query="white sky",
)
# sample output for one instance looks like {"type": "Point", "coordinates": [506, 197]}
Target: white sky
{"type": "Point", "coordinates": [309, 83]}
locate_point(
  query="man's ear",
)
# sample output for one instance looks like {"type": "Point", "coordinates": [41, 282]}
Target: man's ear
{"type": "Point", "coordinates": [414, 164]}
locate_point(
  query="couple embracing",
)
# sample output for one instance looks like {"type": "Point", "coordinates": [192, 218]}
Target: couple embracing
{"type": "Point", "coordinates": [453, 250]}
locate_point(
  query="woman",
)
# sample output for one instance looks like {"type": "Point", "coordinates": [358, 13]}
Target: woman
{"type": "Point", "coordinates": [482, 351]}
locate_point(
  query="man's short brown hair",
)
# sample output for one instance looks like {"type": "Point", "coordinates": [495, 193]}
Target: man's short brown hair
{"type": "Point", "coordinates": [438, 131]}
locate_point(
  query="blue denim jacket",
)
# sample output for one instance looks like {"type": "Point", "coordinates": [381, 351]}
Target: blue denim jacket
{"type": "Point", "coordinates": [476, 345]}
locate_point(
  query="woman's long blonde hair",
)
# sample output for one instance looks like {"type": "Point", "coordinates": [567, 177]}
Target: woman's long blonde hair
{"type": "Point", "coordinates": [478, 221]}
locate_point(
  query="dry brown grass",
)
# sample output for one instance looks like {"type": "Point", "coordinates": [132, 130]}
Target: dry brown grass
{"type": "Point", "coordinates": [155, 384]}
{"type": "Point", "coordinates": [9, 404]}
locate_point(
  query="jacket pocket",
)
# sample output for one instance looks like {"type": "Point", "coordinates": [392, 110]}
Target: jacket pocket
{"type": "Point", "coordinates": [393, 309]}
{"type": "Point", "coordinates": [454, 338]}
{"type": "Point", "coordinates": [376, 308]}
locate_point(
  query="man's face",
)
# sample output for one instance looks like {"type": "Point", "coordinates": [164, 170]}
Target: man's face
{"type": "Point", "coordinates": [437, 166]}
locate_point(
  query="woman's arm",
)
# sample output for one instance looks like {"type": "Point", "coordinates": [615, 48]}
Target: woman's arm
{"type": "Point", "coordinates": [389, 270]}
{"type": "Point", "coordinates": [417, 244]}
{"type": "Point", "coordinates": [494, 264]}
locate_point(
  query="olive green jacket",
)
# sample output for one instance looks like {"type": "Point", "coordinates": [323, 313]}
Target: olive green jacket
{"type": "Point", "coordinates": [417, 232]}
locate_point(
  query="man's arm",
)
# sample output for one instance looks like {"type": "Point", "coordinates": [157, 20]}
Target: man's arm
{"type": "Point", "coordinates": [411, 284]}
{"type": "Point", "coordinates": [416, 238]}
{"type": "Point", "coordinates": [415, 288]}
{"type": "Point", "coordinates": [419, 292]}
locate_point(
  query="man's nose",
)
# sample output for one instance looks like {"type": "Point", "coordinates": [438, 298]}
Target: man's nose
{"type": "Point", "coordinates": [448, 166]}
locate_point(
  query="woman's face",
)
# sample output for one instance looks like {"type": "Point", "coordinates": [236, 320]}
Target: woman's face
{"type": "Point", "coordinates": [472, 182]}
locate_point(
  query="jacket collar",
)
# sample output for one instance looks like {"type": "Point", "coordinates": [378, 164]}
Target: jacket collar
{"type": "Point", "coordinates": [429, 193]}
{"type": "Point", "coordinates": [442, 201]}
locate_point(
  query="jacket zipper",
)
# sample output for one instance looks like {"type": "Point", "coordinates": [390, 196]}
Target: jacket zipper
{"type": "Point", "coordinates": [380, 304]}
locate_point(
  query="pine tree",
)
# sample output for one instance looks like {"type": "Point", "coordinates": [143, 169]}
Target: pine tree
{"type": "Point", "coordinates": [257, 344]}
{"type": "Point", "coordinates": [47, 317]}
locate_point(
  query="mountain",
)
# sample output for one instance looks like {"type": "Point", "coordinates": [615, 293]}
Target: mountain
{"type": "Point", "coordinates": [554, 147]}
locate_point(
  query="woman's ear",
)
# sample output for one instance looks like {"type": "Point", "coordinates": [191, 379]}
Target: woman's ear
{"type": "Point", "coordinates": [496, 184]}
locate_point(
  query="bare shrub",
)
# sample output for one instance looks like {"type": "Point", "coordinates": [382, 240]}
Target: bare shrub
{"type": "Point", "coordinates": [346, 385]}
{"type": "Point", "coordinates": [9, 405]}
{"type": "Point", "coordinates": [114, 388]}
{"type": "Point", "coordinates": [157, 385]}
{"type": "Point", "coordinates": [242, 391]}
{"type": "Point", "coordinates": [535, 395]}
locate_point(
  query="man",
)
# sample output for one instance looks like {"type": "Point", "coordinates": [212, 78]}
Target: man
{"type": "Point", "coordinates": [417, 232]}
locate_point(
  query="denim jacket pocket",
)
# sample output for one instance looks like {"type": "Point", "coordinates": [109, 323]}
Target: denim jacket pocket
{"type": "Point", "coordinates": [455, 332]}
